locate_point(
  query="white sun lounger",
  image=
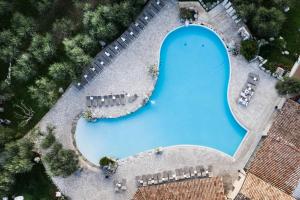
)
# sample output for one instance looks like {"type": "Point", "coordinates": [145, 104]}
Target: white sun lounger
{"type": "Point", "coordinates": [227, 5]}
{"type": "Point", "coordinates": [224, 2]}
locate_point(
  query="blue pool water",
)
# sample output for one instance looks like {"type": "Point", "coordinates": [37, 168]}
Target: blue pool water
{"type": "Point", "coordinates": [190, 104]}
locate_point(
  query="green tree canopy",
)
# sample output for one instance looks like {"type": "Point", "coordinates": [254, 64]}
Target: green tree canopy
{"type": "Point", "coordinates": [62, 162]}
{"type": "Point", "coordinates": [18, 156]}
{"type": "Point", "coordinates": [288, 86]}
{"type": "Point", "coordinates": [24, 68]}
{"type": "Point", "coordinates": [249, 48]}
{"type": "Point", "coordinates": [44, 92]}
{"type": "Point", "coordinates": [62, 71]}
{"type": "Point", "coordinates": [42, 48]}
{"type": "Point", "coordinates": [96, 24]}
{"type": "Point", "coordinates": [23, 27]}
{"type": "Point", "coordinates": [62, 28]}
{"type": "Point", "coordinates": [6, 135]}
{"type": "Point", "coordinates": [75, 50]}
{"type": "Point", "coordinates": [268, 22]}
{"type": "Point", "coordinates": [9, 46]}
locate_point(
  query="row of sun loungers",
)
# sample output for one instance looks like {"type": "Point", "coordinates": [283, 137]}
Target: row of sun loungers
{"type": "Point", "coordinates": [249, 89]}
{"type": "Point", "coordinates": [108, 53]}
{"type": "Point", "coordinates": [120, 185]}
{"type": "Point", "coordinates": [105, 101]}
{"type": "Point", "coordinates": [177, 175]}
{"type": "Point", "coordinates": [110, 100]}
{"type": "Point", "coordinates": [231, 11]}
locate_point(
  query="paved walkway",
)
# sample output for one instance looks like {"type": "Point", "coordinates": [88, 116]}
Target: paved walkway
{"type": "Point", "coordinates": [129, 73]}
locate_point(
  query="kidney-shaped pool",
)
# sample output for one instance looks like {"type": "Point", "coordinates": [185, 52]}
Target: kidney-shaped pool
{"type": "Point", "coordinates": [190, 103]}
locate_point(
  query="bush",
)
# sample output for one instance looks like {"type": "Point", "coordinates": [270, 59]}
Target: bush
{"type": "Point", "coordinates": [288, 86]}
{"type": "Point", "coordinates": [249, 48]}
{"type": "Point", "coordinates": [62, 162]}
{"type": "Point", "coordinates": [105, 161]}
{"type": "Point", "coordinates": [48, 141]}
{"type": "Point", "coordinates": [187, 14]}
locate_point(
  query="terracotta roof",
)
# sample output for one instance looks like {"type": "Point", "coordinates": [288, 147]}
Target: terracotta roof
{"type": "Point", "coordinates": [193, 189]}
{"type": "Point", "coordinates": [256, 189]}
{"type": "Point", "coordinates": [277, 162]}
{"type": "Point", "coordinates": [241, 196]}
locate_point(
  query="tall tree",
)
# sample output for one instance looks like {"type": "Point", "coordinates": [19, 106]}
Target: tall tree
{"type": "Point", "coordinates": [42, 48]}
{"type": "Point", "coordinates": [268, 22]}
{"type": "Point", "coordinates": [44, 92]}
{"type": "Point", "coordinates": [62, 71]}
{"type": "Point", "coordinates": [24, 68]}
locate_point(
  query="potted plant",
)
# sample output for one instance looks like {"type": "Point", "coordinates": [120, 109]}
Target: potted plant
{"type": "Point", "coordinates": [88, 115]}
{"type": "Point", "coordinates": [108, 165]}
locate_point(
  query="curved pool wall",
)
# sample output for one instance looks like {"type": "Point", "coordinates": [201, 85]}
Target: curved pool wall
{"type": "Point", "coordinates": [189, 104]}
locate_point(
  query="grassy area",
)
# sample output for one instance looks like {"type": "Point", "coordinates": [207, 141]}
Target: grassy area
{"type": "Point", "coordinates": [291, 33]}
{"type": "Point", "coordinates": [35, 185]}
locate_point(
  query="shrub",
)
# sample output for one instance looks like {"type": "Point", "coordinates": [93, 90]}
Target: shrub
{"type": "Point", "coordinates": [105, 161]}
{"type": "Point", "coordinates": [249, 48]}
{"type": "Point", "coordinates": [187, 14]}
{"type": "Point", "coordinates": [62, 162]}
{"type": "Point", "coordinates": [288, 86]}
{"type": "Point", "coordinates": [88, 115]}
{"type": "Point", "coordinates": [48, 141]}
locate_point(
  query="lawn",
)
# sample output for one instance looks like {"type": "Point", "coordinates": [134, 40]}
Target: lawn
{"type": "Point", "coordinates": [291, 33]}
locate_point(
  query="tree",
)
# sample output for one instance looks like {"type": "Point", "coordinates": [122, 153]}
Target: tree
{"type": "Point", "coordinates": [42, 48]}
{"type": "Point", "coordinates": [23, 27]}
{"type": "Point", "coordinates": [9, 46]}
{"type": "Point", "coordinates": [6, 181]}
{"type": "Point", "coordinates": [62, 28]}
{"type": "Point", "coordinates": [249, 48]}
{"type": "Point", "coordinates": [288, 86]}
{"type": "Point", "coordinates": [62, 71]}
{"type": "Point", "coordinates": [24, 68]}
{"type": "Point", "coordinates": [48, 140]}
{"type": "Point", "coordinates": [62, 162]}
{"type": "Point", "coordinates": [96, 25]}
{"type": "Point", "coordinates": [75, 50]}
{"type": "Point", "coordinates": [246, 11]}
{"type": "Point", "coordinates": [44, 92]}
{"type": "Point", "coordinates": [268, 22]}
{"type": "Point", "coordinates": [6, 135]}
{"type": "Point", "coordinates": [5, 7]}
{"type": "Point", "coordinates": [43, 6]}
{"type": "Point", "coordinates": [18, 156]}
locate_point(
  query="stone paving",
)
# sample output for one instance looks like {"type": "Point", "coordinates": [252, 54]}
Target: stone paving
{"type": "Point", "coordinates": [129, 73]}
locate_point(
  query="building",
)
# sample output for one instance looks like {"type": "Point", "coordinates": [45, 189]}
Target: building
{"type": "Point", "coordinates": [192, 189]}
{"type": "Point", "coordinates": [274, 173]}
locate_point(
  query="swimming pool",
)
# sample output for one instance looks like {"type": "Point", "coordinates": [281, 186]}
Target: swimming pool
{"type": "Point", "coordinates": [191, 106]}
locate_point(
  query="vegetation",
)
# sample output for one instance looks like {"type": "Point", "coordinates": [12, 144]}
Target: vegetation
{"type": "Point", "coordinates": [62, 162]}
{"type": "Point", "coordinates": [106, 161]}
{"type": "Point", "coordinates": [153, 71]}
{"type": "Point", "coordinates": [249, 48]}
{"type": "Point", "coordinates": [267, 19]}
{"type": "Point", "coordinates": [288, 86]}
{"type": "Point", "coordinates": [187, 14]}
{"type": "Point", "coordinates": [16, 158]}
{"type": "Point", "coordinates": [44, 46]}
{"type": "Point", "coordinates": [48, 141]}
{"type": "Point", "coordinates": [88, 115]}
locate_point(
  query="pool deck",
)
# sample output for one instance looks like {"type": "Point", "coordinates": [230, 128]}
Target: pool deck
{"type": "Point", "coordinates": [129, 72]}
